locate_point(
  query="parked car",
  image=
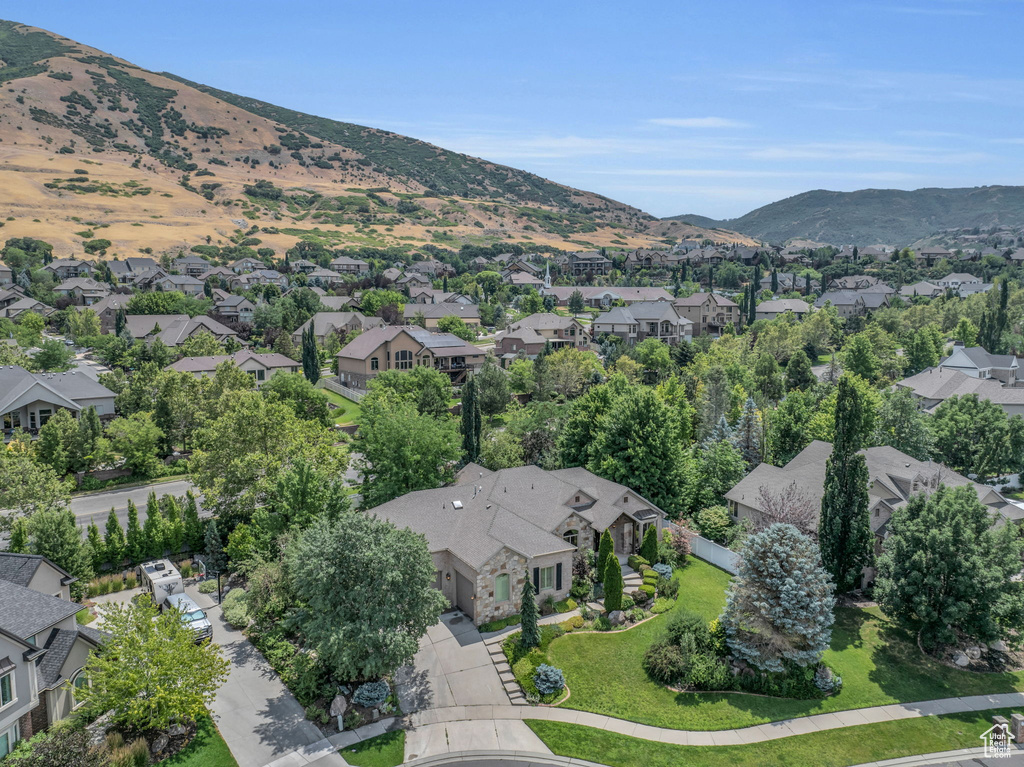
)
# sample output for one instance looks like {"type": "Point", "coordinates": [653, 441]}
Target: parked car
{"type": "Point", "coordinates": [191, 614]}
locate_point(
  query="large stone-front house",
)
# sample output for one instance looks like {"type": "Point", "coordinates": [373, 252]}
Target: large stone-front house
{"type": "Point", "coordinates": [645, 319]}
{"type": "Point", "coordinates": [709, 312]}
{"type": "Point", "coordinates": [42, 647]}
{"type": "Point", "coordinates": [490, 531]}
{"type": "Point", "coordinates": [893, 477]}
{"type": "Point", "coordinates": [29, 400]}
{"type": "Point", "coordinates": [397, 347]}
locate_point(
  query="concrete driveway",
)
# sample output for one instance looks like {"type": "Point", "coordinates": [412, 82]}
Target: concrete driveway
{"type": "Point", "coordinates": [452, 668]}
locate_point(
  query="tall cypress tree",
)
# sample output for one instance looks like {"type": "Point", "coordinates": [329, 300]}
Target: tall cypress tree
{"type": "Point", "coordinates": [613, 585]}
{"type": "Point", "coordinates": [530, 634]}
{"type": "Point", "coordinates": [775, 281]}
{"type": "Point", "coordinates": [120, 321]}
{"type": "Point", "coordinates": [113, 540]}
{"type": "Point", "coordinates": [135, 543]}
{"type": "Point", "coordinates": [153, 529]}
{"type": "Point", "coordinates": [310, 355]}
{"type": "Point", "coordinates": [844, 530]}
{"type": "Point", "coordinates": [193, 524]}
{"type": "Point", "coordinates": [472, 423]}
{"type": "Point", "coordinates": [605, 550]}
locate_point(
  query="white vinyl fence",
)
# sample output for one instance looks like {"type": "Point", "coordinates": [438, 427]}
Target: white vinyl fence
{"type": "Point", "coordinates": [332, 385]}
{"type": "Point", "coordinates": [709, 551]}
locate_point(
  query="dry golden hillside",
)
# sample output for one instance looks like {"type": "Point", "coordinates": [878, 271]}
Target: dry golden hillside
{"type": "Point", "coordinates": [94, 147]}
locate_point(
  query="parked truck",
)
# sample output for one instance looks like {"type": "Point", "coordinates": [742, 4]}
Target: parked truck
{"type": "Point", "coordinates": [164, 584]}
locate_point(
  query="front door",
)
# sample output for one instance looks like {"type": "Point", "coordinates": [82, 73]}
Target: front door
{"type": "Point", "coordinates": [464, 594]}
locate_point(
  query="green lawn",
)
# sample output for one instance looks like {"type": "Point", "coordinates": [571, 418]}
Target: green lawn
{"type": "Point", "coordinates": [347, 412]}
{"type": "Point", "coordinates": [208, 749]}
{"type": "Point", "coordinates": [830, 748]}
{"type": "Point", "coordinates": [387, 750]}
{"type": "Point", "coordinates": [879, 663]}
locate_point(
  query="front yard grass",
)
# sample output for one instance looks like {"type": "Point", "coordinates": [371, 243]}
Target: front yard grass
{"type": "Point", "coordinates": [830, 748]}
{"type": "Point", "coordinates": [207, 749]}
{"type": "Point", "coordinates": [387, 750]}
{"type": "Point", "coordinates": [879, 662]}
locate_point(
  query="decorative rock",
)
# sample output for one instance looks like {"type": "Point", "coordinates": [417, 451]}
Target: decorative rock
{"type": "Point", "coordinates": [974, 653]}
{"type": "Point", "coordinates": [999, 646]}
{"type": "Point", "coordinates": [339, 706]}
{"type": "Point", "coordinates": [160, 743]}
{"type": "Point", "coordinates": [375, 716]}
{"type": "Point", "coordinates": [616, 617]}
{"type": "Point", "coordinates": [176, 731]}
{"type": "Point", "coordinates": [961, 659]}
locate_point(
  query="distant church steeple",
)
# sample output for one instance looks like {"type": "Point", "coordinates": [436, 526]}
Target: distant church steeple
{"type": "Point", "coordinates": [547, 276]}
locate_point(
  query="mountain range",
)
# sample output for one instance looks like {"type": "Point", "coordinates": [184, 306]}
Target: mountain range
{"type": "Point", "coordinates": [93, 147]}
{"type": "Point", "coordinates": [874, 216]}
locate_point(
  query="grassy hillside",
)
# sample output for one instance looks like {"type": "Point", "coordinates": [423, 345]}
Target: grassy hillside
{"type": "Point", "coordinates": [872, 216]}
{"type": "Point", "coordinates": [90, 142]}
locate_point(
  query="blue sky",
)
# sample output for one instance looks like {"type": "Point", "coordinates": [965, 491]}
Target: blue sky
{"type": "Point", "coordinates": [675, 107]}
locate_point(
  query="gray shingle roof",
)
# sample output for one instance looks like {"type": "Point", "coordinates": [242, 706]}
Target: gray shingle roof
{"type": "Point", "coordinates": [25, 612]}
{"type": "Point", "coordinates": [19, 568]}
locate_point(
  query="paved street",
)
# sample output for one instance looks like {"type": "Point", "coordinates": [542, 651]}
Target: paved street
{"type": "Point", "coordinates": [98, 505]}
{"type": "Point", "coordinates": [452, 668]}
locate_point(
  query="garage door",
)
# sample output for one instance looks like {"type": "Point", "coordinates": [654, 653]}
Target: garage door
{"type": "Point", "coordinates": [464, 594]}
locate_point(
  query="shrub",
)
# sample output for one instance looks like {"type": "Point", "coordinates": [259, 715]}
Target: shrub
{"type": "Point", "coordinates": [662, 605]}
{"type": "Point", "coordinates": [627, 602]}
{"type": "Point", "coordinates": [707, 672]}
{"type": "Point", "coordinates": [313, 713]}
{"type": "Point", "coordinates": [826, 680]}
{"type": "Point", "coordinates": [639, 597]}
{"type": "Point", "coordinates": [186, 570]}
{"type": "Point", "coordinates": [131, 581]}
{"type": "Point", "coordinates": [549, 633]}
{"type": "Point", "coordinates": [635, 561]}
{"type": "Point", "coordinates": [664, 662]}
{"type": "Point", "coordinates": [668, 587]}
{"type": "Point", "coordinates": [665, 571]}
{"type": "Point", "coordinates": [565, 606]}
{"type": "Point", "coordinates": [134, 754]}
{"type": "Point", "coordinates": [208, 586]}
{"type": "Point", "coordinates": [636, 614]}
{"type": "Point", "coordinates": [371, 694]}
{"type": "Point", "coordinates": [575, 622]}
{"type": "Point", "coordinates": [235, 608]}
{"type": "Point", "coordinates": [648, 589]}
{"type": "Point", "coordinates": [548, 679]}
{"type": "Point", "coordinates": [602, 623]}
{"type": "Point", "coordinates": [501, 623]}
{"type": "Point", "coordinates": [714, 523]}
{"type": "Point", "coordinates": [688, 624]}
{"type": "Point", "coordinates": [717, 631]}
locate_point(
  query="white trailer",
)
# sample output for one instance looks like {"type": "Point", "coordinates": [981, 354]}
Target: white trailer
{"type": "Point", "coordinates": [161, 579]}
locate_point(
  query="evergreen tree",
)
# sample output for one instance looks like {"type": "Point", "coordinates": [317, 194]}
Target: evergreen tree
{"type": "Point", "coordinates": [752, 304]}
{"type": "Point", "coordinates": [492, 391]}
{"type": "Point", "coordinates": [798, 372]}
{"type": "Point", "coordinates": [605, 549]}
{"type": "Point", "coordinates": [174, 525]}
{"type": "Point", "coordinates": [844, 531]}
{"type": "Point", "coordinates": [901, 425]}
{"type": "Point", "coordinates": [775, 281]}
{"type": "Point", "coordinates": [216, 560]}
{"type": "Point", "coordinates": [613, 585]}
{"type": "Point", "coordinates": [747, 435]}
{"type": "Point", "coordinates": [120, 322]}
{"type": "Point", "coordinates": [768, 377]}
{"type": "Point", "coordinates": [96, 548]}
{"type": "Point", "coordinates": [135, 541]}
{"type": "Point", "coordinates": [582, 424]}
{"type": "Point", "coordinates": [779, 607]}
{"type": "Point", "coordinates": [472, 423]}
{"type": "Point", "coordinates": [649, 547]}
{"type": "Point", "coordinates": [153, 529]}
{"type": "Point", "coordinates": [310, 355]}
{"type": "Point", "coordinates": [529, 634]}
{"type": "Point", "coordinates": [193, 524]}
{"type": "Point", "coordinates": [19, 541]}
{"type": "Point", "coordinates": [113, 541]}
{"type": "Point", "coordinates": [947, 572]}
{"type": "Point", "coordinates": [57, 441]}
{"type": "Point", "coordinates": [90, 431]}
{"type": "Point", "coordinates": [577, 305]}
{"type": "Point", "coordinates": [53, 534]}
{"type": "Point", "coordinates": [807, 284]}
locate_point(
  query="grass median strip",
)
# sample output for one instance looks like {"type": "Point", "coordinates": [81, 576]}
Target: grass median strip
{"type": "Point", "coordinates": [831, 748]}
{"type": "Point", "coordinates": [387, 750]}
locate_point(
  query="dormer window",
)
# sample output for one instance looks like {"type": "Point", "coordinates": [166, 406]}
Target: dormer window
{"type": "Point", "coordinates": [625, 499]}
{"type": "Point", "coordinates": [577, 499]}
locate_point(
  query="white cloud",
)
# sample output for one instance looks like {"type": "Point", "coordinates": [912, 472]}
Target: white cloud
{"type": "Point", "coordinates": [698, 122]}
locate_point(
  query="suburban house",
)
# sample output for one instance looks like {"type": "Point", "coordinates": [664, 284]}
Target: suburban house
{"type": "Point", "coordinates": [432, 268]}
{"type": "Point", "coordinates": [599, 298]}
{"type": "Point", "coordinates": [246, 265]}
{"type": "Point", "coordinates": [190, 286]}
{"type": "Point", "coordinates": [391, 273]}
{"type": "Point", "coordinates": [645, 258]}
{"type": "Point", "coordinates": [174, 329]}
{"type": "Point", "coordinates": [592, 262]}
{"type": "Point", "coordinates": [22, 305]}
{"type": "Point", "coordinates": [127, 270]}
{"type": "Point", "coordinates": [258, 277]}
{"type": "Point", "coordinates": [524, 280]}
{"type": "Point", "coordinates": [560, 331]}
{"type": "Point", "coordinates": [642, 320]}
{"type": "Point", "coordinates": [769, 310]}
{"type": "Point", "coordinates": [29, 400]}
{"type": "Point", "coordinates": [235, 308]}
{"type": "Point", "coordinates": [193, 266]}
{"type": "Point", "coordinates": [709, 312]}
{"type": "Point", "coordinates": [338, 303]}
{"type": "Point", "coordinates": [9, 295]}
{"type": "Point", "coordinates": [978, 363]}
{"type": "Point", "coordinates": [218, 272]}
{"type": "Point", "coordinates": [6, 275]}
{"type": "Point", "coordinates": [319, 277]}
{"type": "Point", "coordinates": [413, 279]}
{"type": "Point", "coordinates": [346, 265]}
{"type": "Point", "coordinates": [852, 282]}
{"type": "Point", "coordinates": [432, 313]}
{"type": "Point", "coordinates": [44, 649]}
{"type": "Point", "coordinates": [66, 268]}
{"type": "Point", "coordinates": [260, 366]}
{"type": "Point", "coordinates": [931, 256]}
{"type": "Point", "coordinates": [396, 347]}
{"type": "Point", "coordinates": [788, 282]}
{"type": "Point", "coordinates": [847, 303]}
{"type": "Point", "coordinates": [893, 477]}
{"type": "Point", "coordinates": [325, 323]}
{"type": "Point", "coordinates": [490, 531]}
{"type": "Point", "coordinates": [84, 291]}
{"type": "Point", "coordinates": [922, 288]}
{"type": "Point", "coordinates": [107, 308]}
{"type": "Point", "coordinates": [957, 279]}
{"type": "Point", "coordinates": [934, 386]}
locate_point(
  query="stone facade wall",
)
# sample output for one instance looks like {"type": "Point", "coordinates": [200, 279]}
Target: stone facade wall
{"type": "Point", "coordinates": [505, 561]}
{"type": "Point", "coordinates": [573, 522]}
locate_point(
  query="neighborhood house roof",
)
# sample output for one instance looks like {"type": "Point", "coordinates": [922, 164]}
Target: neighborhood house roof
{"type": "Point", "coordinates": [24, 612]}
{"type": "Point", "coordinates": [942, 383]}
{"type": "Point", "coordinates": [203, 364]}
{"type": "Point", "coordinates": [19, 387]}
